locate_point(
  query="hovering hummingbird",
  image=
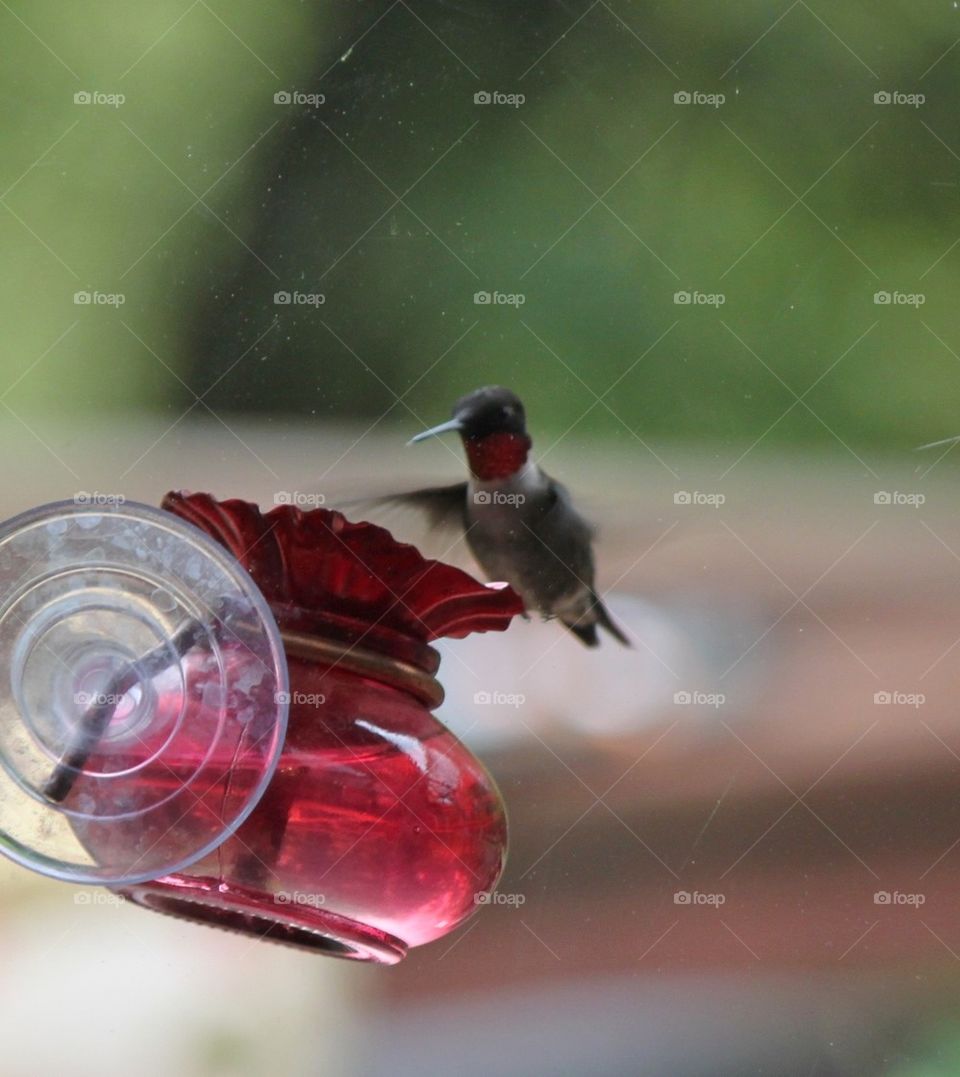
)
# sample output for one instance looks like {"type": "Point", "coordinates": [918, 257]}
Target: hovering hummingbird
{"type": "Point", "coordinates": [520, 524]}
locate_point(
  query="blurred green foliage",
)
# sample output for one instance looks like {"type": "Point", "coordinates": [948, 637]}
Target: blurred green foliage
{"type": "Point", "coordinates": [96, 198]}
{"type": "Point", "coordinates": [935, 1053]}
{"type": "Point", "coordinates": [694, 198]}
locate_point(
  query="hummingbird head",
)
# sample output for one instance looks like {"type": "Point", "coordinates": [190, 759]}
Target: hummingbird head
{"type": "Point", "coordinates": [490, 411]}
{"type": "Point", "coordinates": [492, 424]}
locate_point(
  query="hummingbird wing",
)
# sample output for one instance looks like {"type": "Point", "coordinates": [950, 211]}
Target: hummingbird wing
{"type": "Point", "coordinates": [560, 501]}
{"type": "Point", "coordinates": [575, 545]}
{"type": "Point", "coordinates": [445, 507]}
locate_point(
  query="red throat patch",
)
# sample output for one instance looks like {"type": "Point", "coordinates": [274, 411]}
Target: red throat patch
{"type": "Point", "coordinates": [497, 456]}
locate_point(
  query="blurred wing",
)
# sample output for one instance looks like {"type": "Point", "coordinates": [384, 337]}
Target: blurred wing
{"type": "Point", "coordinates": [559, 500]}
{"type": "Point", "coordinates": [443, 507]}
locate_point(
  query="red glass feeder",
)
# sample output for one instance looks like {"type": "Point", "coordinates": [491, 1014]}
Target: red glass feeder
{"type": "Point", "coordinates": [259, 758]}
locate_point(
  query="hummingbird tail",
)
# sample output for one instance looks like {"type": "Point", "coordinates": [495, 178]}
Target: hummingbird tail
{"type": "Point", "coordinates": [587, 634]}
{"type": "Point", "coordinates": [586, 631]}
{"type": "Point", "coordinates": [607, 622]}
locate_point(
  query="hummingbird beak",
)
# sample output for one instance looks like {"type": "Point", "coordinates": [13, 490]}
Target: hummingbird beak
{"type": "Point", "coordinates": [435, 431]}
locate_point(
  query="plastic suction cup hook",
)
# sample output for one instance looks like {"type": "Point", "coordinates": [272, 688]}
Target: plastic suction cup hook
{"type": "Point", "coordinates": [143, 693]}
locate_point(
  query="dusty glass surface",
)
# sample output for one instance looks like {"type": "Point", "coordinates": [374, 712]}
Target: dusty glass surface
{"type": "Point", "coordinates": [715, 250]}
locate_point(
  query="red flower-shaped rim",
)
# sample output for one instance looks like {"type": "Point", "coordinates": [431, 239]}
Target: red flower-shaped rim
{"type": "Point", "coordinates": [320, 565]}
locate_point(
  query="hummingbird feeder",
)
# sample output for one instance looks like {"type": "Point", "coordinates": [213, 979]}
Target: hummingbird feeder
{"type": "Point", "coordinates": [225, 715]}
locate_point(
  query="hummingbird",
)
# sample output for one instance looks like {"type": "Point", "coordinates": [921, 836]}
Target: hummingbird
{"type": "Point", "coordinates": [520, 524]}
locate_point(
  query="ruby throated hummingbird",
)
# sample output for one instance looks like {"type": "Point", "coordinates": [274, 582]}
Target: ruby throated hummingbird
{"type": "Point", "coordinates": [519, 523]}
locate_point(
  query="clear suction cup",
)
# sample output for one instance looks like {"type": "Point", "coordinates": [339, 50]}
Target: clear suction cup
{"type": "Point", "coordinates": [143, 693]}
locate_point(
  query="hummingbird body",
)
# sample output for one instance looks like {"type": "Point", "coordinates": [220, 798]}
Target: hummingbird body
{"type": "Point", "coordinates": [520, 524]}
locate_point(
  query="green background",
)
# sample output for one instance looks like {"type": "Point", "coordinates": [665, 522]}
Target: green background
{"type": "Point", "coordinates": [102, 198]}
